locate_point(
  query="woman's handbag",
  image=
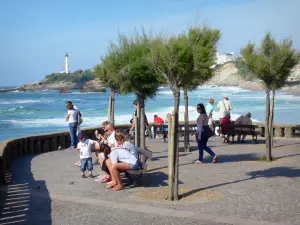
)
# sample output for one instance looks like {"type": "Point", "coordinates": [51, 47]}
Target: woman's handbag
{"type": "Point", "coordinates": [79, 118]}
{"type": "Point", "coordinates": [210, 132]}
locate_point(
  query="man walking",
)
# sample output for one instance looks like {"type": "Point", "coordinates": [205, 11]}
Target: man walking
{"type": "Point", "coordinates": [224, 105]}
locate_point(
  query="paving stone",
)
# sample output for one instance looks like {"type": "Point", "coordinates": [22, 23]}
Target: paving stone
{"type": "Point", "coordinates": [250, 189]}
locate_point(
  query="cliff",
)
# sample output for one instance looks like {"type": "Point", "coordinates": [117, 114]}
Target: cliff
{"type": "Point", "coordinates": [81, 79]}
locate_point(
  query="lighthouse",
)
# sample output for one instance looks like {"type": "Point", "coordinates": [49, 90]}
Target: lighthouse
{"type": "Point", "coordinates": [66, 63]}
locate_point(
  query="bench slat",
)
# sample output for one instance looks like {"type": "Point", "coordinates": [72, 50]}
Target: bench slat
{"type": "Point", "coordinates": [144, 152]}
{"type": "Point", "coordinates": [238, 126]}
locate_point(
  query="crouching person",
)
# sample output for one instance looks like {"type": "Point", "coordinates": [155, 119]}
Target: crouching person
{"type": "Point", "coordinates": [119, 160]}
{"type": "Point", "coordinates": [84, 147]}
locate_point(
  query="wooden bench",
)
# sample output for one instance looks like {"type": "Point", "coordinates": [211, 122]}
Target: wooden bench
{"type": "Point", "coordinates": [296, 131]}
{"type": "Point", "coordinates": [143, 155]}
{"type": "Point", "coordinates": [233, 129]}
{"type": "Point", "coordinates": [162, 129]}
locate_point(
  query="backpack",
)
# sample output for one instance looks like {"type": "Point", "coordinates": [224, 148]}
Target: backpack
{"type": "Point", "coordinates": [79, 118]}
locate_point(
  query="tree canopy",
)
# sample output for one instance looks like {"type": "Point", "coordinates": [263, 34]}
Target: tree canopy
{"type": "Point", "coordinates": [134, 73]}
{"type": "Point", "coordinates": [185, 60]}
{"type": "Point", "coordinates": [272, 62]}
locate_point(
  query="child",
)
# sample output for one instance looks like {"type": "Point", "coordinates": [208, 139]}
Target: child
{"type": "Point", "coordinates": [84, 147]}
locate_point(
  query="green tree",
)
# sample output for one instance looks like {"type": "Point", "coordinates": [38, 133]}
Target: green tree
{"type": "Point", "coordinates": [134, 73]}
{"type": "Point", "coordinates": [181, 60]}
{"type": "Point", "coordinates": [202, 47]}
{"type": "Point", "coordinates": [107, 74]}
{"type": "Point", "coordinates": [243, 70]}
{"type": "Point", "coordinates": [272, 63]}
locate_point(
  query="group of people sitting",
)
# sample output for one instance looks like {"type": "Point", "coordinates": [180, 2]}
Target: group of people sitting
{"type": "Point", "coordinates": [242, 120]}
{"type": "Point", "coordinates": [113, 152]}
{"type": "Point", "coordinates": [224, 107]}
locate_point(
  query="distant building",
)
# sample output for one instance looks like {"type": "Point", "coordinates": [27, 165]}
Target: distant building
{"type": "Point", "coordinates": [223, 58]}
{"type": "Point", "coordinates": [66, 63]}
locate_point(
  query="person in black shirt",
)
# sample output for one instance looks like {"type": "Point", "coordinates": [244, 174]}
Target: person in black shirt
{"type": "Point", "coordinates": [135, 104]}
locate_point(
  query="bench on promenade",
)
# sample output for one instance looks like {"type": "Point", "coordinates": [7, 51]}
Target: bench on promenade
{"type": "Point", "coordinates": [163, 130]}
{"type": "Point", "coordinates": [298, 131]}
{"type": "Point", "coordinates": [233, 129]}
{"type": "Point", "coordinates": [143, 155]}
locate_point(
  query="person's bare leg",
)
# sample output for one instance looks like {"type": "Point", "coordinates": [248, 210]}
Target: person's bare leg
{"type": "Point", "coordinates": [100, 159]}
{"type": "Point", "coordinates": [113, 178]}
{"type": "Point", "coordinates": [116, 175]}
{"type": "Point", "coordinates": [116, 168]}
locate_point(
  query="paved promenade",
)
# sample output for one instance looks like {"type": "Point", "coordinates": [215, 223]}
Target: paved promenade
{"type": "Point", "coordinates": [241, 189]}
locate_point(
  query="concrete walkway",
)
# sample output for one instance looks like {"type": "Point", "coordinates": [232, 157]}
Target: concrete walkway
{"type": "Point", "coordinates": [48, 189]}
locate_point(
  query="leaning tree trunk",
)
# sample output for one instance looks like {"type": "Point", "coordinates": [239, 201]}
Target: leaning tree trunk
{"type": "Point", "coordinates": [268, 142]}
{"type": "Point", "coordinates": [112, 112]}
{"type": "Point", "coordinates": [109, 109]}
{"type": "Point", "coordinates": [173, 148]}
{"type": "Point", "coordinates": [138, 125]}
{"type": "Point", "coordinates": [272, 118]}
{"type": "Point", "coordinates": [171, 157]}
{"type": "Point", "coordinates": [142, 123]}
{"type": "Point", "coordinates": [186, 122]}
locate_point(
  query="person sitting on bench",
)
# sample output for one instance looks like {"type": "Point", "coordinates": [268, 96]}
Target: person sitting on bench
{"type": "Point", "coordinates": [111, 142]}
{"type": "Point", "coordinates": [226, 121]}
{"type": "Point", "coordinates": [123, 143]}
{"type": "Point", "coordinates": [119, 160]}
{"type": "Point", "coordinates": [102, 136]}
{"type": "Point", "coordinates": [243, 120]}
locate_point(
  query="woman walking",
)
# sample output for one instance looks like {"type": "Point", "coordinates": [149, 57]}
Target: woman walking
{"type": "Point", "coordinates": [202, 135]}
{"type": "Point", "coordinates": [72, 118]}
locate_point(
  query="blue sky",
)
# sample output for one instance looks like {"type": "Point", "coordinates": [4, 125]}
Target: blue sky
{"type": "Point", "coordinates": [35, 35]}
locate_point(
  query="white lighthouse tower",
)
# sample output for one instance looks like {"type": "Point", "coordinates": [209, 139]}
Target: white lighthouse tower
{"type": "Point", "coordinates": [66, 63]}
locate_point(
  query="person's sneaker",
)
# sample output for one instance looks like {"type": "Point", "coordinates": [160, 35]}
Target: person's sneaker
{"type": "Point", "coordinates": [91, 176]}
{"type": "Point", "coordinates": [83, 176]}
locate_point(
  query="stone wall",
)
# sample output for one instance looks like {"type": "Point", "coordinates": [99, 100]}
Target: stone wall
{"type": "Point", "coordinates": [10, 149]}
{"type": "Point", "coordinates": [280, 130]}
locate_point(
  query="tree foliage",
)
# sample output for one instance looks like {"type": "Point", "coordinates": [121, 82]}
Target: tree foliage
{"type": "Point", "coordinates": [244, 71]}
{"type": "Point", "coordinates": [106, 74]}
{"type": "Point", "coordinates": [272, 62]}
{"type": "Point", "coordinates": [126, 59]}
{"type": "Point", "coordinates": [185, 61]}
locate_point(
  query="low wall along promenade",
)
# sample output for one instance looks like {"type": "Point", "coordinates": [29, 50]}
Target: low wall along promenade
{"type": "Point", "coordinates": [10, 149]}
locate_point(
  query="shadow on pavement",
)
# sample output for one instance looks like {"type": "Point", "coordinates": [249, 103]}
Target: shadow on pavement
{"type": "Point", "coordinates": [287, 144]}
{"type": "Point", "coordinates": [155, 179]}
{"type": "Point", "coordinates": [239, 157]}
{"type": "Point", "coordinates": [166, 156]}
{"type": "Point", "coordinates": [290, 172]}
{"type": "Point", "coordinates": [22, 205]}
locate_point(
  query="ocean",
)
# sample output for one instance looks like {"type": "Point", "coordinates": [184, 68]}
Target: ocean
{"type": "Point", "coordinates": [28, 113]}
